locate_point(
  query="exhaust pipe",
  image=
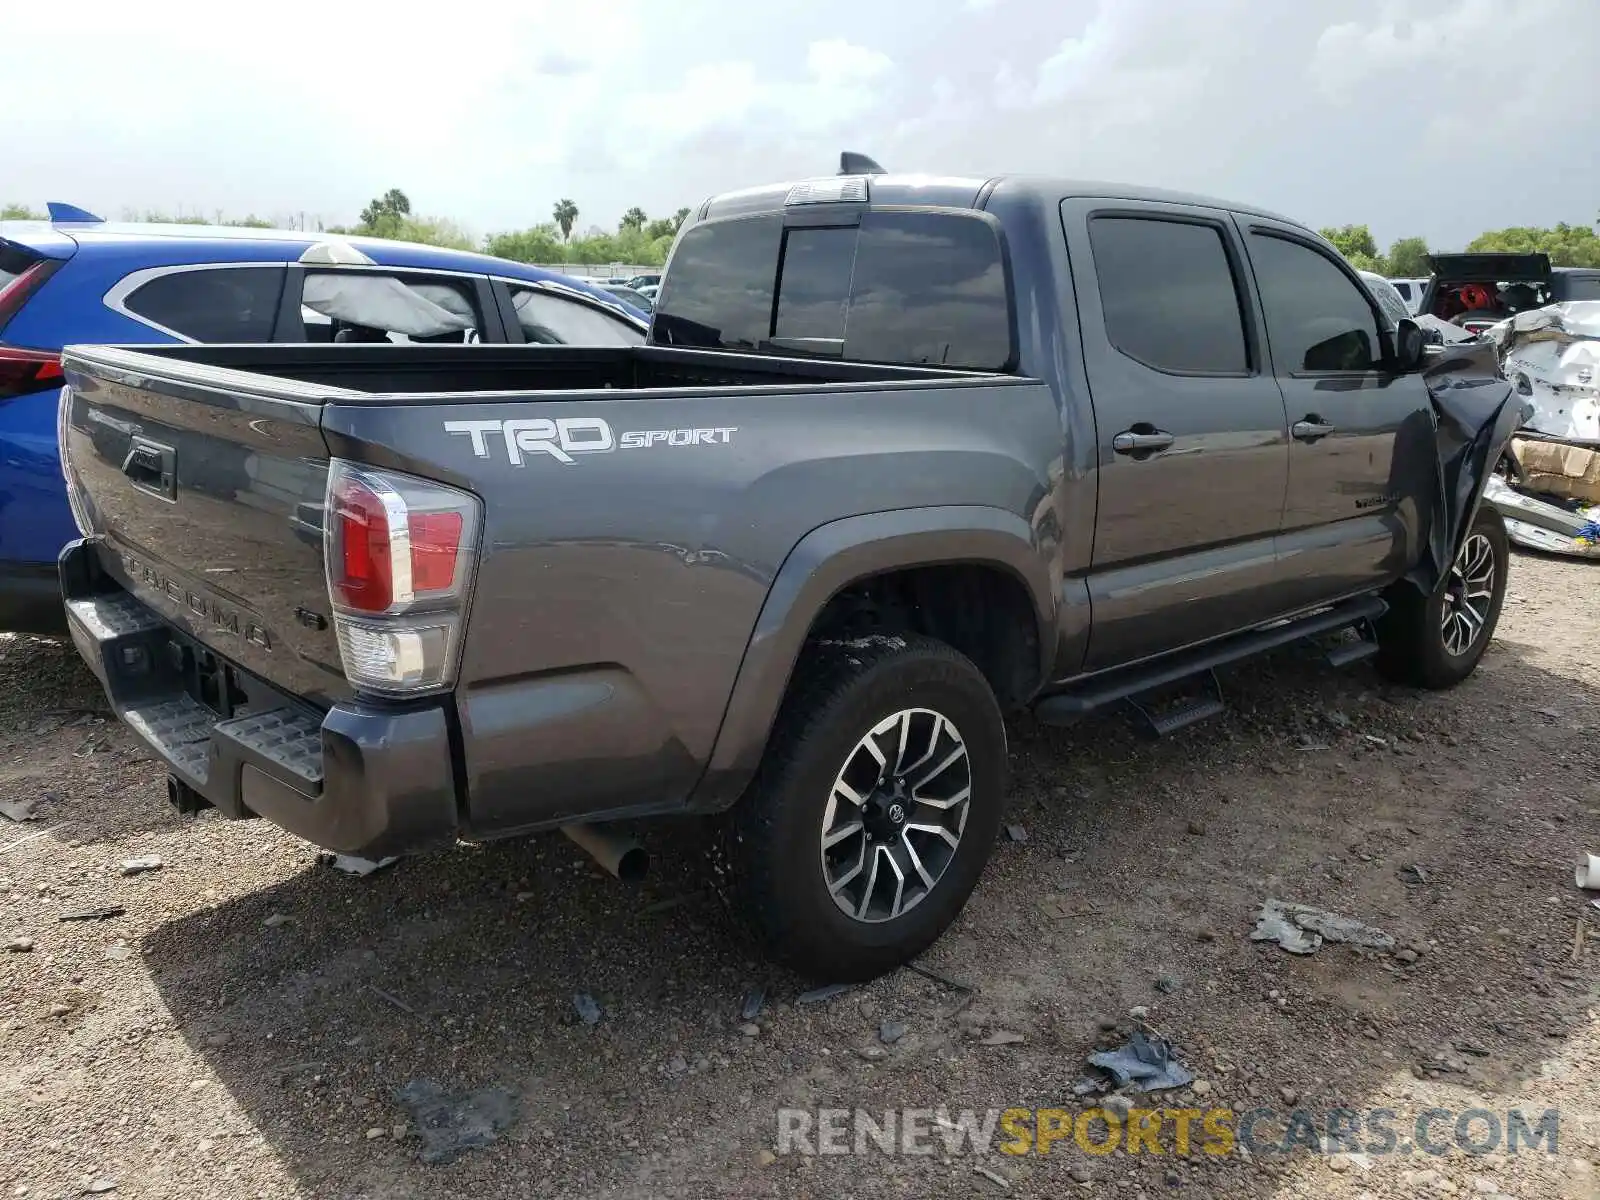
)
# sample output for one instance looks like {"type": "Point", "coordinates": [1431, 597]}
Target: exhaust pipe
{"type": "Point", "coordinates": [623, 856]}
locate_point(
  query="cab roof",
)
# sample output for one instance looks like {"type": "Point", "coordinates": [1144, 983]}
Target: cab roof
{"type": "Point", "coordinates": [967, 191]}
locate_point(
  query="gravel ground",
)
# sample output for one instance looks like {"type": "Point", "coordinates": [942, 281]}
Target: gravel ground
{"type": "Point", "coordinates": [246, 1025]}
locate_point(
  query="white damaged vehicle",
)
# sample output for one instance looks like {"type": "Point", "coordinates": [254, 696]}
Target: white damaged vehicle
{"type": "Point", "coordinates": [1548, 488]}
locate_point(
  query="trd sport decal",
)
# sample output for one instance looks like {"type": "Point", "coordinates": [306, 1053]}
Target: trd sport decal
{"type": "Point", "coordinates": [564, 437]}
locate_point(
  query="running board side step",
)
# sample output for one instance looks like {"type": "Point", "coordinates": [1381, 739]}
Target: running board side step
{"type": "Point", "coordinates": [1356, 649]}
{"type": "Point", "coordinates": [1073, 702]}
{"type": "Point", "coordinates": [1160, 722]}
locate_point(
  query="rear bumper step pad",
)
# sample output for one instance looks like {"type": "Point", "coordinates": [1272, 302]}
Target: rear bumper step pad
{"type": "Point", "coordinates": [370, 780]}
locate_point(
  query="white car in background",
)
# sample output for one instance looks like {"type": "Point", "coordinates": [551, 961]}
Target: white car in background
{"type": "Point", "coordinates": [1396, 309]}
{"type": "Point", "coordinates": [1411, 291]}
{"type": "Point", "coordinates": [1388, 296]}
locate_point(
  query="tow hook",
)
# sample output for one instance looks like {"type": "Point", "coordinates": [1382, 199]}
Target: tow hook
{"type": "Point", "coordinates": [184, 798]}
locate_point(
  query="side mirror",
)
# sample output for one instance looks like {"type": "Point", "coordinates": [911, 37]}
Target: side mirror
{"type": "Point", "coordinates": [1409, 345]}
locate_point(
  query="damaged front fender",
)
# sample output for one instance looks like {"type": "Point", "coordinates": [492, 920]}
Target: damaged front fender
{"type": "Point", "coordinates": [1475, 413]}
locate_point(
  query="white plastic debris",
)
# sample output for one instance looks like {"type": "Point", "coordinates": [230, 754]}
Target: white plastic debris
{"type": "Point", "coordinates": [138, 866]}
{"type": "Point", "coordinates": [351, 865]}
{"type": "Point", "coordinates": [588, 1009]}
{"type": "Point", "coordinates": [1540, 524]}
{"type": "Point", "coordinates": [1587, 875]}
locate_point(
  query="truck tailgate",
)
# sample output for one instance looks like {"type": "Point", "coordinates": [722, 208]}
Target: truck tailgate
{"type": "Point", "coordinates": [206, 495]}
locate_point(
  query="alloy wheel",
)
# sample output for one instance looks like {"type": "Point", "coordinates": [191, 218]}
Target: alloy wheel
{"type": "Point", "coordinates": [895, 815]}
{"type": "Point", "coordinates": [1469, 592]}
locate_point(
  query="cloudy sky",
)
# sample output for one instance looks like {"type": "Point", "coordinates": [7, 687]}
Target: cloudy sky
{"type": "Point", "coordinates": [1439, 117]}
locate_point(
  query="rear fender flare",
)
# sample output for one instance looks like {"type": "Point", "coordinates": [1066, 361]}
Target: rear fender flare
{"type": "Point", "coordinates": [826, 561]}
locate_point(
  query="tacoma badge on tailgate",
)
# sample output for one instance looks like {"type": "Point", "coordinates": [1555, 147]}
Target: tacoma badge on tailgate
{"type": "Point", "coordinates": [221, 616]}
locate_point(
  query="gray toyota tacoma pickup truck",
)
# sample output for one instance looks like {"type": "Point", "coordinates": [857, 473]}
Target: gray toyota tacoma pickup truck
{"type": "Point", "coordinates": [901, 454]}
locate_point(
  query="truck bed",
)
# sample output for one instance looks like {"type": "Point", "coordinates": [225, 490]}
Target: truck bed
{"type": "Point", "coordinates": [437, 374]}
{"type": "Point", "coordinates": [637, 505]}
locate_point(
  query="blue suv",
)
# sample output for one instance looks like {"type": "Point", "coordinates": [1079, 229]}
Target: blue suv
{"type": "Point", "coordinates": [77, 278]}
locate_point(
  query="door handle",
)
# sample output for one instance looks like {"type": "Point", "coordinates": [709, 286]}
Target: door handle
{"type": "Point", "coordinates": [1310, 429]}
{"type": "Point", "coordinates": [151, 468]}
{"type": "Point", "coordinates": [1141, 439]}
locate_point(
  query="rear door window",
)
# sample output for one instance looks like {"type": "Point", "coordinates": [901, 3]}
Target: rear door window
{"type": "Point", "coordinates": [553, 320]}
{"type": "Point", "coordinates": [373, 306]}
{"type": "Point", "coordinates": [1168, 294]}
{"type": "Point", "coordinates": [211, 304]}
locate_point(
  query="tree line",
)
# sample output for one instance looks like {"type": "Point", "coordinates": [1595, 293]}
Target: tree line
{"type": "Point", "coordinates": [644, 240]}
{"type": "Point", "coordinates": [1567, 246]}
{"type": "Point", "coordinates": [638, 238]}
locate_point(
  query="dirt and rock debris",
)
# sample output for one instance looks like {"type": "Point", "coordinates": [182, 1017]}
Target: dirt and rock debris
{"type": "Point", "coordinates": [242, 1022]}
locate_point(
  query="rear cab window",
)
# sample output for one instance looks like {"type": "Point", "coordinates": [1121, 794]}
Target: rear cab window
{"type": "Point", "coordinates": [918, 287]}
{"type": "Point", "coordinates": [236, 303]}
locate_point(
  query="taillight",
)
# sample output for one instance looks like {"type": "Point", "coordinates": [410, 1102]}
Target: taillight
{"type": "Point", "coordinates": [399, 553]}
{"type": "Point", "coordinates": [24, 371]}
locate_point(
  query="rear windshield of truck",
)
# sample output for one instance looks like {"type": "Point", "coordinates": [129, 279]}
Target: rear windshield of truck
{"type": "Point", "coordinates": [924, 288]}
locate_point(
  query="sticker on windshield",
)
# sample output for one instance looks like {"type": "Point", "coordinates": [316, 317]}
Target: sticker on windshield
{"type": "Point", "coordinates": [565, 438]}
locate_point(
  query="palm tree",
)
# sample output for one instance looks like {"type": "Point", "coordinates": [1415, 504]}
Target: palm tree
{"type": "Point", "coordinates": [678, 218]}
{"type": "Point", "coordinates": [393, 203]}
{"type": "Point", "coordinates": [634, 218]}
{"type": "Point", "coordinates": [565, 213]}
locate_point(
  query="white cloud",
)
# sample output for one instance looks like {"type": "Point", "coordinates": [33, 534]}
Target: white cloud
{"type": "Point", "coordinates": [490, 110]}
{"type": "Point", "coordinates": [1503, 75]}
{"type": "Point", "coordinates": [1107, 76]}
{"type": "Point", "coordinates": [838, 61]}
{"type": "Point", "coordinates": [841, 81]}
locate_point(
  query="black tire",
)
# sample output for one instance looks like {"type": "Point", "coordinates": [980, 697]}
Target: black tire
{"type": "Point", "coordinates": [774, 850]}
{"type": "Point", "coordinates": [1412, 640]}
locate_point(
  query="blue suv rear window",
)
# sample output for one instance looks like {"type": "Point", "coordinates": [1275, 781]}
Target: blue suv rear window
{"type": "Point", "coordinates": [212, 304]}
